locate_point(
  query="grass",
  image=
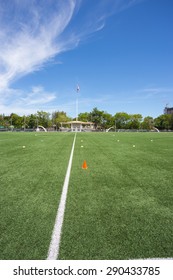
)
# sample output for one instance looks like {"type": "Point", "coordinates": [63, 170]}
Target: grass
{"type": "Point", "coordinates": [119, 208]}
{"type": "Point", "coordinates": [31, 181]}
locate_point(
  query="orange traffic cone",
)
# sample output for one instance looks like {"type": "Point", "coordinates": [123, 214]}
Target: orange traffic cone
{"type": "Point", "coordinates": [84, 165]}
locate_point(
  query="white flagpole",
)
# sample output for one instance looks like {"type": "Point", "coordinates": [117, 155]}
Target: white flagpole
{"type": "Point", "coordinates": [77, 108]}
{"type": "Point", "coordinates": [77, 103]}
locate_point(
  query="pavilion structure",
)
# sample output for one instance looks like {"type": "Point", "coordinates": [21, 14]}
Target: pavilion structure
{"type": "Point", "coordinates": [77, 126]}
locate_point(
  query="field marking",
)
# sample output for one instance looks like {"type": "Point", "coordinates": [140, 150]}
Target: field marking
{"type": "Point", "coordinates": [56, 234]}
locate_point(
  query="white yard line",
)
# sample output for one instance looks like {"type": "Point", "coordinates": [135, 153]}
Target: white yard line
{"type": "Point", "coordinates": [56, 234]}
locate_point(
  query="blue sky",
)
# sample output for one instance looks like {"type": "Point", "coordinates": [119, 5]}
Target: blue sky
{"type": "Point", "coordinates": [120, 52]}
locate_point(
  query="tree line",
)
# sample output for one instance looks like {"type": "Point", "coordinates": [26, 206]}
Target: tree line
{"type": "Point", "coordinates": [101, 119]}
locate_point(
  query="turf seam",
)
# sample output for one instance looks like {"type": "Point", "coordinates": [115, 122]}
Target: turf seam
{"type": "Point", "coordinates": [54, 246]}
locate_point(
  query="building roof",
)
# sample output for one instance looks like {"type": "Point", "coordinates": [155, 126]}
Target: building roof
{"type": "Point", "coordinates": [168, 110]}
{"type": "Point", "coordinates": [77, 122]}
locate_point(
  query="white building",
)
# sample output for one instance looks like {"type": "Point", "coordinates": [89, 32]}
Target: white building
{"type": "Point", "coordinates": [77, 126]}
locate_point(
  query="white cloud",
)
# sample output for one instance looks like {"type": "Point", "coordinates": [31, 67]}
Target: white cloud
{"type": "Point", "coordinates": [33, 40]}
{"type": "Point", "coordinates": [154, 92]}
{"type": "Point", "coordinates": [33, 32]}
{"type": "Point", "coordinates": [37, 96]}
{"type": "Point", "coordinates": [22, 102]}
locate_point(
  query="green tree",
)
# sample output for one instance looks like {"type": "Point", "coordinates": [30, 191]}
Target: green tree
{"type": "Point", "coordinates": [84, 117]}
{"type": "Point", "coordinates": [96, 116]}
{"type": "Point", "coordinates": [7, 121]}
{"type": "Point", "coordinates": [121, 120]}
{"type": "Point", "coordinates": [32, 121]}
{"type": "Point", "coordinates": [135, 121]}
{"type": "Point", "coordinates": [163, 121]}
{"type": "Point", "coordinates": [2, 120]}
{"type": "Point", "coordinates": [107, 120]}
{"type": "Point", "coordinates": [171, 122]}
{"type": "Point", "coordinates": [16, 121]}
{"type": "Point", "coordinates": [147, 123]}
{"type": "Point", "coordinates": [43, 119]}
{"type": "Point", "coordinates": [58, 117]}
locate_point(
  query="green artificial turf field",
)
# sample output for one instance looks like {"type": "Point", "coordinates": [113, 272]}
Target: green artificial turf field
{"type": "Point", "coordinates": [31, 181]}
{"type": "Point", "coordinates": [121, 207]}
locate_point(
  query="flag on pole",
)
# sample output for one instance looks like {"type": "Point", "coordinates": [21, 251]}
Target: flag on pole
{"type": "Point", "coordinates": [77, 88]}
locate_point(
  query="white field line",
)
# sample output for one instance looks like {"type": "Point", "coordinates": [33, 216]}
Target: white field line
{"type": "Point", "coordinates": [153, 259]}
{"type": "Point", "coordinates": [56, 234]}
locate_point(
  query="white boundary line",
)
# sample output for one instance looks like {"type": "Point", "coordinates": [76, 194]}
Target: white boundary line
{"type": "Point", "coordinates": [56, 234]}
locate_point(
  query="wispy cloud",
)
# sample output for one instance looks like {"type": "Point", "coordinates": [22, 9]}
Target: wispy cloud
{"type": "Point", "coordinates": [37, 96]}
{"type": "Point", "coordinates": [29, 35]}
{"type": "Point", "coordinates": [33, 32]}
{"type": "Point", "coordinates": [152, 92]}
{"type": "Point", "coordinates": [22, 102]}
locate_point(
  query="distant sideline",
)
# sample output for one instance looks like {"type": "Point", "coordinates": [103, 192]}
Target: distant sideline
{"type": "Point", "coordinates": [97, 130]}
